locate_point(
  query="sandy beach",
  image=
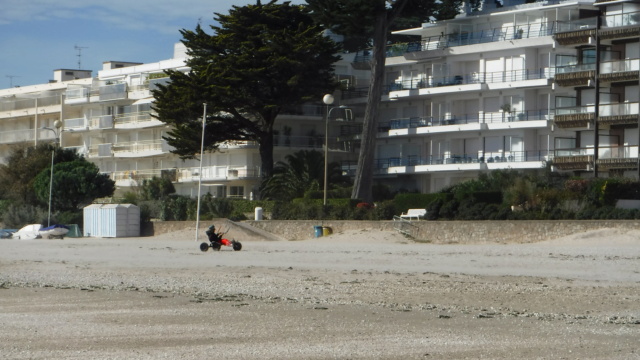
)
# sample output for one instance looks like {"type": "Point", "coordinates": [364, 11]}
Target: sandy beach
{"type": "Point", "coordinates": [353, 295]}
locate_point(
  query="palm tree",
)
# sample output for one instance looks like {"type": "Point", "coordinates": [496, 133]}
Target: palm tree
{"type": "Point", "coordinates": [303, 171]}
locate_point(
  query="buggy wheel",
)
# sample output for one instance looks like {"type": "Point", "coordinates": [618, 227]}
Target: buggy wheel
{"type": "Point", "coordinates": [204, 247]}
{"type": "Point", "coordinates": [237, 246]}
{"type": "Point", "coordinates": [216, 246]}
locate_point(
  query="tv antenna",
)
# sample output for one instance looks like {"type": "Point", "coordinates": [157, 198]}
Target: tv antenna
{"type": "Point", "coordinates": [11, 79]}
{"type": "Point", "coordinates": [79, 49]}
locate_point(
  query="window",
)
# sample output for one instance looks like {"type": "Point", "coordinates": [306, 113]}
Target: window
{"type": "Point", "coordinates": [236, 191]}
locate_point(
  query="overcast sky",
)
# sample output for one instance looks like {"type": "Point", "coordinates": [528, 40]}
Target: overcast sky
{"type": "Point", "coordinates": [39, 36]}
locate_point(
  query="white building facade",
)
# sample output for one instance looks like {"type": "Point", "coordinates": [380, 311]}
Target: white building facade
{"type": "Point", "coordinates": [108, 119]}
{"type": "Point", "coordinates": [512, 86]}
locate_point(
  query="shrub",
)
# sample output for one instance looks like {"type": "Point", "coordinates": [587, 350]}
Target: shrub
{"type": "Point", "coordinates": [16, 216]}
{"type": "Point", "coordinates": [406, 201]}
{"type": "Point", "coordinates": [71, 217]}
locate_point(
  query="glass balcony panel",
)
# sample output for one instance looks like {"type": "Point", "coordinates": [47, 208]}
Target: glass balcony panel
{"type": "Point", "coordinates": [624, 19]}
{"type": "Point", "coordinates": [619, 109]}
{"type": "Point", "coordinates": [609, 67]}
{"type": "Point", "coordinates": [113, 92]}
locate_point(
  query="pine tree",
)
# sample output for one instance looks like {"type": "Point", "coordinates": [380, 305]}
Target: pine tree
{"type": "Point", "coordinates": [260, 59]}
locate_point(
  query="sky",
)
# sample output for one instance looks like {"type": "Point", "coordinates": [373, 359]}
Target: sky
{"type": "Point", "coordinates": [40, 36]}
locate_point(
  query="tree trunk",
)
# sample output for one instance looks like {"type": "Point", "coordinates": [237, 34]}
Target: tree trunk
{"type": "Point", "coordinates": [363, 181]}
{"type": "Point", "coordinates": [266, 154]}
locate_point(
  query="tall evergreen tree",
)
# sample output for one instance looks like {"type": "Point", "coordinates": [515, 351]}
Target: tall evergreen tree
{"type": "Point", "coordinates": [370, 22]}
{"type": "Point", "coordinates": [260, 59]}
{"type": "Point", "coordinates": [75, 183]}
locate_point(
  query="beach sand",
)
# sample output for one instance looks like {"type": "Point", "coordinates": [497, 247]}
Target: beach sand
{"type": "Point", "coordinates": [353, 295]}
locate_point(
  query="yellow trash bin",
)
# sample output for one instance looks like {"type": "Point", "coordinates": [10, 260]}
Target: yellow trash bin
{"type": "Point", "coordinates": [326, 231]}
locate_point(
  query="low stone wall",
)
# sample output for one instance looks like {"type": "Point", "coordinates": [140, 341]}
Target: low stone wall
{"type": "Point", "coordinates": [437, 232]}
{"type": "Point", "coordinates": [453, 232]}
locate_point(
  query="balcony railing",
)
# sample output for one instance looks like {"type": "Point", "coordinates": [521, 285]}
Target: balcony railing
{"type": "Point", "coordinates": [576, 25]}
{"type": "Point", "coordinates": [133, 118]}
{"type": "Point", "coordinates": [113, 92]}
{"type": "Point", "coordinates": [22, 104]}
{"type": "Point", "coordinates": [618, 152]}
{"type": "Point", "coordinates": [571, 110]}
{"type": "Point", "coordinates": [574, 152]}
{"type": "Point", "coordinates": [525, 31]}
{"type": "Point", "coordinates": [77, 93]}
{"type": "Point", "coordinates": [16, 136]}
{"type": "Point", "coordinates": [140, 146]}
{"type": "Point", "coordinates": [135, 174]}
{"type": "Point", "coordinates": [463, 119]}
{"type": "Point", "coordinates": [76, 123]}
{"type": "Point", "coordinates": [566, 69]}
{"type": "Point", "coordinates": [618, 20]}
{"type": "Point", "coordinates": [480, 157]}
{"type": "Point", "coordinates": [620, 109]}
{"type": "Point", "coordinates": [101, 122]}
{"type": "Point", "coordinates": [615, 66]}
{"type": "Point", "coordinates": [473, 78]}
{"type": "Point", "coordinates": [218, 173]}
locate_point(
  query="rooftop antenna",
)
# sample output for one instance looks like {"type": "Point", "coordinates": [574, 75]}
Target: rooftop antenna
{"type": "Point", "coordinates": [79, 48]}
{"type": "Point", "coordinates": [11, 79]}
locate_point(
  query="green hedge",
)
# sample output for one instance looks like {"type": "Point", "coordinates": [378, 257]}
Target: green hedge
{"type": "Point", "coordinates": [406, 201]}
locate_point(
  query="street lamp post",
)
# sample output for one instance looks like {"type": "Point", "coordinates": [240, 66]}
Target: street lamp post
{"type": "Point", "coordinates": [327, 100]}
{"type": "Point", "coordinates": [56, 132]}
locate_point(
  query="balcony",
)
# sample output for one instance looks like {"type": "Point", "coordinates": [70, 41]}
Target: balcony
{"type": "Point", "coordinates": [575, 74]}
{"type": "Point", "coordinates": [620, 26]}
{"type": "Point", "coordinates": [497, 77]}
{"type": "Point", "coordinates": [49, 104]}
{"type": "Point", "coordinates": [112, 92]}
{"type": "Point", "coordinates": [454, 162]}
{"type": "Point", "coordinates": [100, 150]}
{"type": "Point", "coordinates": [140, 148]}
{"type": "Point", "coordinates": [435, 45]}
{"type": "Point", "coordinates": [101, 122]}
{"type": "Point", "coordinates": [576, 32]}
{"type": "Point", "coordinates": [464, 119]}
{"type": "Point", "coordinates": [17, 136]}
{"type": "Point", "coordinates": [573, 159]}
{"type": "Point", "coordinates": [75, 124]}
{"type": "Point", "coordinates": [134, 177]}
{"type": "Point", "coordinates": [618, 157]}
{"type": "Point", "coordinates": [77, 95]}
{"type": "Point", "coordinates": [619, 114]}
{"type": "Point", "coordinates": [619, 71]}
{"type": "Point", "coordinates": [218, 173]}
{"type": "Point", "coordinates": [574, 116]}
{"type": "Point", "coordinates": [140, 119]}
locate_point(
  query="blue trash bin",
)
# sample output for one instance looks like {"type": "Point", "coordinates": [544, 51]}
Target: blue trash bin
{"type": "Point", "coordinates": [318, 231]}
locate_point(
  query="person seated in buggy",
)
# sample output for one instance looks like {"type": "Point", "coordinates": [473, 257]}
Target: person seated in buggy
{"type": "Point", "coordinates": [213, 236]}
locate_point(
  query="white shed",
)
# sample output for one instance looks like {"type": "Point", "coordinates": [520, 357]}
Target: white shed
{"type": "Point", "coordinates": [111, 220]}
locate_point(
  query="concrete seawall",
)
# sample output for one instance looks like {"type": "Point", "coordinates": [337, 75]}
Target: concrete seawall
{"type": "Point", "coordinates": [437, 232]}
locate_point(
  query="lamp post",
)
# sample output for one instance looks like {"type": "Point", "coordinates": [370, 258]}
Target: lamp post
{"type": "Point", "coordinates": [57, 132]}
{"type": "Point", "coordinates": [204, 118]}
{"type": "Point", "coordinates": [327, 100]}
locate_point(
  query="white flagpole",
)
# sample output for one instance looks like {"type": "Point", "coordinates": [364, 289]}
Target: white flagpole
{"type": "Point", "coordinates": [204, 117]}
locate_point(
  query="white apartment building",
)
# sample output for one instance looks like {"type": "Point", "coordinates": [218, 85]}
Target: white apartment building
{"type": "Point", "coordinates": [512, 86]}
{"type": "Point", "coordinates": [108, 119]}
